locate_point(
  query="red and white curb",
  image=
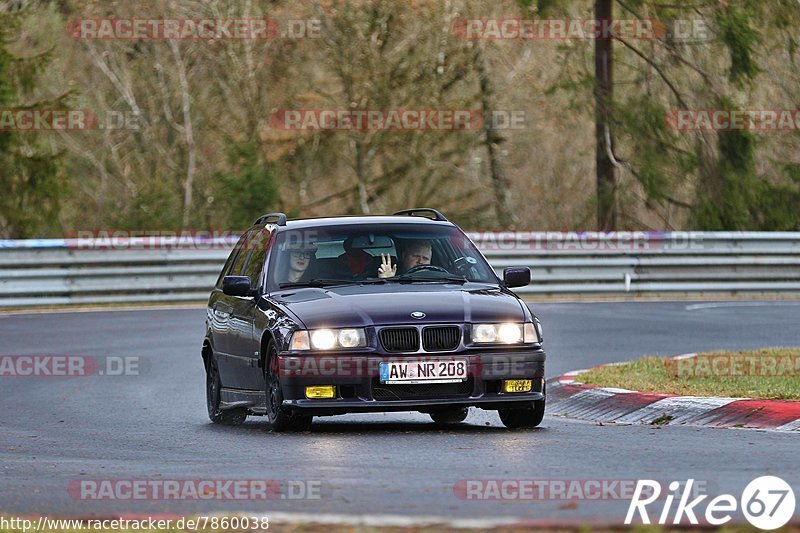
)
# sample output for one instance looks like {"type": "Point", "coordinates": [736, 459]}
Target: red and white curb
{"type": "Point", "coordinates": [569, 397]}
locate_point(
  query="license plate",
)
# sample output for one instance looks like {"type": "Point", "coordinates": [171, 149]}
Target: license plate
{"type": "Point", "coordinates": [518, 385]}
{"type": "Point", "coordinates": [409, 372]}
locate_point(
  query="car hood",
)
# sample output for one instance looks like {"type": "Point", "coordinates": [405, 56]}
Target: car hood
{"type": "Point", "coordinates": [355, 305]}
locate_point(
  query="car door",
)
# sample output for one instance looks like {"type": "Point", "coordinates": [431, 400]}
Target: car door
{"type": "Point", "coordinates": [222, 310]}
{"type": "Point", "coordinates": [218, 313]}
{"type": "Point", "coordinates": [244, 344]}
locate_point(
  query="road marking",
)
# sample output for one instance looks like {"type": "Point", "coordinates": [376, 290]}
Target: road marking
{"type": "Point", "coordinates": [112, 309]}
{"type": "Point", "coordinates": [791, 426]}
{"type": "Point", "coordinates": [695, 307]}
{"type": "Point", "coordinates": [680, 408]}
{"type": "Point", "coordinates": [376, 520]}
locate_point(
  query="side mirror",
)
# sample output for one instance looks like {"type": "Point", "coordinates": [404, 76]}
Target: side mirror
{"type": "Point", "coordinates": [236, 286]}
{"type": "Point", "coordinates": [516, 276]}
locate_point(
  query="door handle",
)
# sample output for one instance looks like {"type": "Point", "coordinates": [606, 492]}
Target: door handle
{"type": "Point", "coordinates": [222, 313]}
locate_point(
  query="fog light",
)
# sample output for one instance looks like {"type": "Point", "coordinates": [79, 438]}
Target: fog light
{"type": "Point", "coordinates": [517, 385]}
{"type": "Point", "coordinates": [319, 392]}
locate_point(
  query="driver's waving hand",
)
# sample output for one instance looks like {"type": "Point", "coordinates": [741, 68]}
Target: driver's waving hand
{"type": "Point", "coordinates": [415, 254]}
{"type": "Point", "coordinates": [386, 270]}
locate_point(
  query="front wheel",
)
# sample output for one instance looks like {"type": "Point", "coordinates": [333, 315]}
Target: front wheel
{"type": "Point", "coordinates": [228, 417]}
{"type": "Point", "coordinates": [529, 416]}
{"type": "Point", "coordinates": [279, 418]}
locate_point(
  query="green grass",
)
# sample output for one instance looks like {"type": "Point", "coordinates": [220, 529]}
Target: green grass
{"type": "Point", "coordinates": [655, 374]}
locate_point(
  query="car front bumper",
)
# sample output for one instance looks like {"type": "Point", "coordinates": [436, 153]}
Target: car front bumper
{"type": "Point", "coordinates": [358, 387]}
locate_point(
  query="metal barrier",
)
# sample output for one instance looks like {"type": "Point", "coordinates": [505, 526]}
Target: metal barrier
{"type": "Point", "coordinates": [62, 272]}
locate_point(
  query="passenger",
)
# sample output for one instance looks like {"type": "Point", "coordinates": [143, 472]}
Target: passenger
{"type": "Point", "coordinates": [416, 253]}
{"type": "Point", "coordinates": [299, 259]}
{"type": "Point", "coordinates": [355, 259]}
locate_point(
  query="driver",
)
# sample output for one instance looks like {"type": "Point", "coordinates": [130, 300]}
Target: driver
{"type": "Point", "coordinates": [415, 254]}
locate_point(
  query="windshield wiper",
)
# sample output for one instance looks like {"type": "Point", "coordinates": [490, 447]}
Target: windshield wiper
{"type": "Point", "coordinates": [319, 282]}
{"type": "Point", "coordinates": [446, 279]}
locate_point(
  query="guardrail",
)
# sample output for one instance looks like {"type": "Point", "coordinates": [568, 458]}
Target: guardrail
{"type": "Point", "coordinates": [53, 272]}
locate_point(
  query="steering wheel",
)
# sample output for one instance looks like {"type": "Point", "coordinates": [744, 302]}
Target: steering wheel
{"type": "Point", "coordinates": [420, 268]}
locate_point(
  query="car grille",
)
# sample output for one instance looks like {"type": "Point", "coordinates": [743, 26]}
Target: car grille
{"type": "Point", "coordinates": [400, 339]}
{"type": "Point", "coordinates": [381, 391]}
{"type": "Point", "coordinates": [437, 339]}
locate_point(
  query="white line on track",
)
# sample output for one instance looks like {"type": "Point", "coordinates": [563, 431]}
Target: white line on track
{"type": "Point", "coordinates": [791, 426]}
{"type": "Point", "coordinates": [715, 305]}
{"type": "Point", "coordinates": [388, 520]}
{"type": "Point", "coordinates": [111, 309]}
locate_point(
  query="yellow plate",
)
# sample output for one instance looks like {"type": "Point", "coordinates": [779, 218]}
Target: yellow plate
{"type": "Point", "coordinates": [517, 385]}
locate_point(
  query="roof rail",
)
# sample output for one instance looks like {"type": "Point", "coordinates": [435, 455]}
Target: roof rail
{"type": "Point", "coordinates": [279, 218]}
{"type": "Point", "coordinates": [423, 211]}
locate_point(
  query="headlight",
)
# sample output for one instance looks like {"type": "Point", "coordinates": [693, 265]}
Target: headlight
{"type": "Point", "coordinates": [351, 338]}
{"type": "Point", "coordinates": [509, 333]}
{"type": "Point", "coordinates": [323, 339]}
{"type": "Point", "coordinates": [497, 333]}
{"type": "Point", "coordinates": [484, 333]}
{"type": "Point", "coordinates": [328, 339]}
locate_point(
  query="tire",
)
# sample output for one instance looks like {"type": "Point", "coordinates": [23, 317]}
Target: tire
{"type": "Point", "coordinates": [450, 416]}
{"type": "Point", "coordinates": [523, 417]}
{"type": "Point", "coordinates": [280, 419]}
{"type": "Point", "coordinates": [228, 417]}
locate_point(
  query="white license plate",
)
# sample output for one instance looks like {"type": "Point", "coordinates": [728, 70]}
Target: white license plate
{"type": "Point", "coordinates": [440, 371]}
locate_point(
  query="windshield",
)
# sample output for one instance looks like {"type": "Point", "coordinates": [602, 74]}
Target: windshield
{"type": "Point", "coordinates": [379, 253]}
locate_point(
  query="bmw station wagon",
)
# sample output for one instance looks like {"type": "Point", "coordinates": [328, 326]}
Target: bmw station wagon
{"type": "Point", "coordinates": [327, 316]}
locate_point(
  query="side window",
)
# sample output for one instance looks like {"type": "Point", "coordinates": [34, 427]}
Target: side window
{"type": "Point", "coordinates": [244, 255]}
{"type": "Point", "coordinates": [259, 244]}
{"type": "Point", "coordinates": [226, 270]}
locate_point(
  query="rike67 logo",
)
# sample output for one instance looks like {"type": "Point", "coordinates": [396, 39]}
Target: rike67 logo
{"type": "Point", "coordinates": [767, 503]}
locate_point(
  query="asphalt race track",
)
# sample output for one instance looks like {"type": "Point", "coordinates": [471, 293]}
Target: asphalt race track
{"type": "Point", "coordinates": [55, 431]}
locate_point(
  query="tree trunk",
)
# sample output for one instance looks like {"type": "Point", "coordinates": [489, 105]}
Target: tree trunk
{"type": "Point", "coordinates": [492, 139]}
{"type": "Point", "coordinates": [362, 197]}
{"type": "Point", "coordinates": [188, 182]}
{"type": "Point", "coordinates": [604, 94]}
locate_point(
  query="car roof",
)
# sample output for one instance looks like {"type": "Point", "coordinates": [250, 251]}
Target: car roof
{"type": "Point", "coordinates": [306, 223]}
